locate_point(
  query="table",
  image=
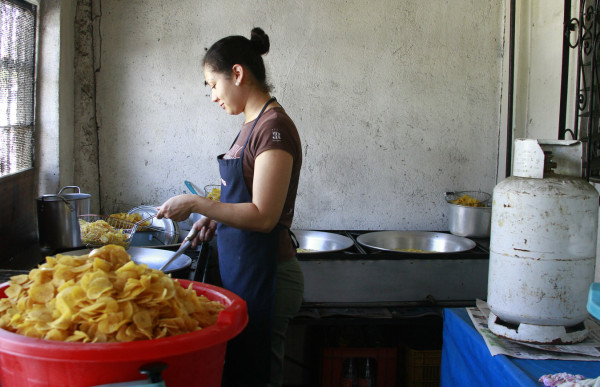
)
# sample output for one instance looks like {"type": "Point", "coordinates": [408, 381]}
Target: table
{"type": "Point", "coordinates": [466, 360]}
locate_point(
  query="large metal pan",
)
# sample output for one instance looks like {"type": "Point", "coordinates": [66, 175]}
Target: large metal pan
{"type": "Point", "coordinates": [154, 258]}
{"type": "Point", "coordinates": [423, 242]}
{"type": "Point", "coordinates": [319, 242]}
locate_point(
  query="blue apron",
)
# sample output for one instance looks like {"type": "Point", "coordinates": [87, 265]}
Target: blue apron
{"type": "Point", "coordinates": [248, 265]}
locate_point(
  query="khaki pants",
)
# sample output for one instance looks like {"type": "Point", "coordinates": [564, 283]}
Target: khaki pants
{"type": "Point", "coordinates": [289, 290]}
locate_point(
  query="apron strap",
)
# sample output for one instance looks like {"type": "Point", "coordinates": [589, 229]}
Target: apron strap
{"type": "Point", "coordinates": [294, 239]}
{"type": "Point", "coordinates": [253, 125]}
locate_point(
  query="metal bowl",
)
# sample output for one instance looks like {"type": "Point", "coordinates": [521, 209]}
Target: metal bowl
{"type": "Point", "coordinates": [154, 258]}
{"type": "Point", "coordinates": [422, 242]}
{"type": "Point", "coordinates": [319, 242]}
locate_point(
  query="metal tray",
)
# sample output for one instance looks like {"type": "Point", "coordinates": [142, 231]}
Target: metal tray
{"type": "Point", "coordinates": [318, 242]}
{"type": "Point", "coordinates": [154, 258]}
{"type": "Point", "coordinates": [420, 242]}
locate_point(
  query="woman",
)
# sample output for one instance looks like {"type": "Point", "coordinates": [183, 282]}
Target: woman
{"type": "Point", "coordinates": [259, 181]}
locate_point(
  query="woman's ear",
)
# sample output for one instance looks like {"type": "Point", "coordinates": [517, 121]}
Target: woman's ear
{"type": "Point", "coordinates": [237, 72]}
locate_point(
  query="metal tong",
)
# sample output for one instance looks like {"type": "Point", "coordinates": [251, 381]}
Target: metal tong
{"type": "Point", "coordinates": [186, 243]}
{"type": "Point", "coordinates": [140, 222]}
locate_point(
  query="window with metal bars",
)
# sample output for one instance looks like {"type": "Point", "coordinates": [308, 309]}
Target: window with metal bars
{"type": "Point", "coordinates": [582, 33]}
{"type": "Point", "coordinates": [17, 85]}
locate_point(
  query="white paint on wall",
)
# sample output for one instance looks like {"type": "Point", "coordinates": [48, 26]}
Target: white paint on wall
{"type": "Point", "coordinates": [54, 114]}
{"type": "Point", "coordinates": [545, 69]}
{"type": "Point", "coordinates": [66, 93]}
{"type": "Point", "coordinates": [47, 112]}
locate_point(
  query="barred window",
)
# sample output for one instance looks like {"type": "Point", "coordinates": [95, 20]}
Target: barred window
{"type": "Point", "coordinates": [17, 85]}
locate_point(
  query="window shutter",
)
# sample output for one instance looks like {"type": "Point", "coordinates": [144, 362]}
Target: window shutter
{"type": "Point", "coordinates": [17, 85]}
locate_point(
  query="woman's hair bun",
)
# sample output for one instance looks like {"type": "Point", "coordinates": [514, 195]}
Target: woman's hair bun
{"type": "Point", "coordinates": [259, 41]}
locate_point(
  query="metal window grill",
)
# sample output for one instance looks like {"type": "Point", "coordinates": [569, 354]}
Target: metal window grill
{"type": "Point", "coordinates": [17, 85]}
{"type": "Point", "coordinates": [582, 33]}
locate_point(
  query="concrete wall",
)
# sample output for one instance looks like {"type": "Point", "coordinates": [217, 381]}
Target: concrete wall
{"type": "Point", "coordinates": [54, 110]}
{"type": "Point", "coordinates": [396, 102]}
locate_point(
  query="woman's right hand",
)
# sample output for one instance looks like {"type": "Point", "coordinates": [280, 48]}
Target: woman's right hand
{"type": "Point", "coordinates": [206, 228]}
{"type": "Point", "coordinates": [177, 208]}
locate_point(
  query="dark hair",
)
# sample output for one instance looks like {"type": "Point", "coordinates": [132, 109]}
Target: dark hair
{"type": "Point", "coordinates": [236, 49]}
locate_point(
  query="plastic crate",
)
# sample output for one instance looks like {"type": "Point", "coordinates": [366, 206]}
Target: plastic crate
{"type": "Point", "coordinates": [333, 360]}
{"type": "Point", "coordinates": [422, 367]}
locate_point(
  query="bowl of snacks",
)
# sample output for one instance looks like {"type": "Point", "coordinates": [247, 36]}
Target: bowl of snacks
{"type": "Point", "coordinates": [469, 213]}
{"type": "Point", "coordinates": [100, 318]}
{"type": "Point", "coordinates": [101, 230]}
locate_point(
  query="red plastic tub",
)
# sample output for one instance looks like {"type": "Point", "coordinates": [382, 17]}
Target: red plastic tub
{"type": "Point", "coordinates": [193, 359]}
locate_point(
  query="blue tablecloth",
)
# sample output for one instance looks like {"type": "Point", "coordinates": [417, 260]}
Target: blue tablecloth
{"type": "Point", "coordinates": [466, 360]}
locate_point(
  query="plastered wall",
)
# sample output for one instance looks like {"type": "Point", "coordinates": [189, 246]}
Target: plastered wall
{"type": "Point", "coordinates": [396, 102]}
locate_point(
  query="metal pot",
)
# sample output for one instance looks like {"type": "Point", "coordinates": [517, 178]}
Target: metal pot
{"type": "Point", "coordinates": [58, 226]}
{"type": "Point", "coordinates": [468, 221]}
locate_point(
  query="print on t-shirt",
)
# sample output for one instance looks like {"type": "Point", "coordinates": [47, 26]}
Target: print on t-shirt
{"type": "Point", "coordinates": [276, 135]}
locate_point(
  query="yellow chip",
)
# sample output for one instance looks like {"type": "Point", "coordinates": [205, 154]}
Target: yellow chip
{"type": "Point", "coordinates": [78, 336]}
{"type": "Point", "coordinates": [126, 307]}
{"type": "Point", "coordinates": [111, 322]}
{"type": "Point", "coordinates": [101, 264]}
{"type": "Point", "coordinates": [98, 286]}
{"type": "Point", "coordinates": [68, 298]}
{"type": "Point", "coordinates": [64, 273]}
{"type": "Point", "coordinates": [40, 314]}
{"type": "Point", "coordinates": [13, 291]}
{"type": "Point", "coordinates": [63, 322]}
{"type": "Point", "coordinates": [19, 279]}
{"type": "Point", "coordinates": [41, 293]}
{"type": "Point", "coordinates": [40, 275]}
{"type": "Point", "coordinates": [142, 319]}
{"type": "Point", "coordinates": [56, 334]}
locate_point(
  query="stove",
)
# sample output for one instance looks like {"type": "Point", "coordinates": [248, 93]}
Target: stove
{"type": "Point", "coordinates": [359, 276]}
{"type": "Point", "coordinates": [363, 277]}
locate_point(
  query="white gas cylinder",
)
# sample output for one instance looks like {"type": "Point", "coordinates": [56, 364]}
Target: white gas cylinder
{"type": "Point", "coordinates": [542, 245]}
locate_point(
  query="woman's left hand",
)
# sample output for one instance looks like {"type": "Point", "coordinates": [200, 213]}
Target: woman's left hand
{"type": "Point", "coordinates": [177, 208]}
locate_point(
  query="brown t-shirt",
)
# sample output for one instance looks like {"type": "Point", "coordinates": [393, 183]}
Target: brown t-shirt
{"type": "Point", "coordinates": [274, 130]}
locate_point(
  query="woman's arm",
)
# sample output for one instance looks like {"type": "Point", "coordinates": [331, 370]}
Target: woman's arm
{"type": "Point", "coordinates": [272, 174]}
